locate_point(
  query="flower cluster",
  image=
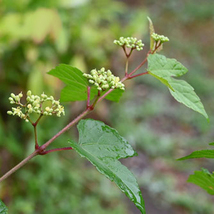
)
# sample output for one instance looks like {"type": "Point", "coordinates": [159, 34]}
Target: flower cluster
{"type": "Point", "coordinates": [130, 42]}
{"type": "Point", "coordinates": [160, 38]}
{"type": "Point", "coordinates": [34, 105]}
{"type": "Point", "coordinates": [104, 80]}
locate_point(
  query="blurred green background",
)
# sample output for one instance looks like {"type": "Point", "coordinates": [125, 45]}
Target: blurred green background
{"type": "Point", "coordinates": [35, 36]}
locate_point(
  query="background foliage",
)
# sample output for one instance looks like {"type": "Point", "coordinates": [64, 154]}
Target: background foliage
{"type": "Point", "coordinates": [35, 36]}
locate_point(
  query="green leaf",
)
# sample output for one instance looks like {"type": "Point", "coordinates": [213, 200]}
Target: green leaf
{"type": "Point", "coordinates": [212, 144]}
{"type": "Point", "coordinates": [3, 208]}
{"type": "Point", "coordinates": [103, 146]}
{"type": "Point", "coordinates": [184, 93]}
{"type": "Point", "coordinates": [204, 179]}
{"type": "Point", "coordinates": [199, 154]}
{"type": "Point", "coordinates": [69, 75]}
{"type": "Point", "coordinates": [164, 69]}
{"type": "Point", "coordinates": [76, 88]}
{"type": "Point", "coordinates": [73, 93]}
{"type": "Point", "coordinates": [164, 81]}
{"type": "Point", "coordinates": [115, 95]}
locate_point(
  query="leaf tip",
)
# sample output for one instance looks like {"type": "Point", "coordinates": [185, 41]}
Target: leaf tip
{"type": "Point", "coordinates": [208, 119]}
{"type": "Point", "coordinates": [183, 158]}
{"type": "Point", "coordinates": [149, 19]}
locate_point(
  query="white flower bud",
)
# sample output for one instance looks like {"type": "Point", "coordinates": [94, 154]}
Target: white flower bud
{"type": "Point", "coordinates": [29, 93]}
{"type": "Point", "coordinates": [57, 102]}
{"type": "Point", "coordinates": [44, 96]}
{"type": "Point", "coordinates": [129, 42]}
{"type": "Point", "coordinates": [91, 81]}
{"type": "Point", "coordinates": [34, 105]}
{"type": "Point", "coordinates": [10, 112]}
{"type": "Point", "coordinates": [30, 110]}
{"type": "Point", "coordinates": [13, 95]}
{"type": "Point", "coordinates": [17, 98]}
{"type": "Point", "coordinates": [47, 109]}
{"type": "Point", "coordinates": [20, 95]}
{"type": "Point", "coordinates": [104, 80]}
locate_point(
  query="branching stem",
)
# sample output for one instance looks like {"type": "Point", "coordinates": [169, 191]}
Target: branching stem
{"type": "Point", "coordinates": [73, 122]}
{"type": "Point", "coordinates": [41, 150]}
{"type": "Point", "coordinates": [137, 75]}
{"type": "Point", "coordinates": [35, 131]}
{"type": "Point", "coordinates": [56, 150]}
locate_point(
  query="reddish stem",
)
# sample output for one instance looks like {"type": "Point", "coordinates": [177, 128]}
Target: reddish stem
{"type": "Point", "coordinates": [104, 95]}
{"type": "Point", "coordinates": [41, 149]}
{"type": "Point", "coordinates": [88, 96]}
{"type": "Point", "coordinates": [141, 64]}
{"type": "Point", "coordinates": [35, 131]}
{"type": "Point", "coordinates": [35, 124]}
{"type": "Point", "coordinates": [137, 75]}
{"type": "Point", "coordinates": [55, 150]}
{"type": "Point", "coordinates": [128, 76]}
{"type": "Point", "coordinates": [18, 166]}
{"type": "Point", "coordinates": [35, 136]}
{"type": "Point", "coordinates": [73, 122]}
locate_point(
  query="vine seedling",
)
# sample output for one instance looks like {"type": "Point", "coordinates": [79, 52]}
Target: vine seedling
{"type": "Point", "coordinates": [99, 143]}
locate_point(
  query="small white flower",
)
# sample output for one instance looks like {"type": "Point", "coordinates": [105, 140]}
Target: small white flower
{"type": "Point", "coordinates": [160, 38]}
{"type": "Point", "coordinates": [34, 105]}
{"type": "Point", "coordinates": [104, 80]}
{"type": "Point", "coordinates": [130, 42]}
